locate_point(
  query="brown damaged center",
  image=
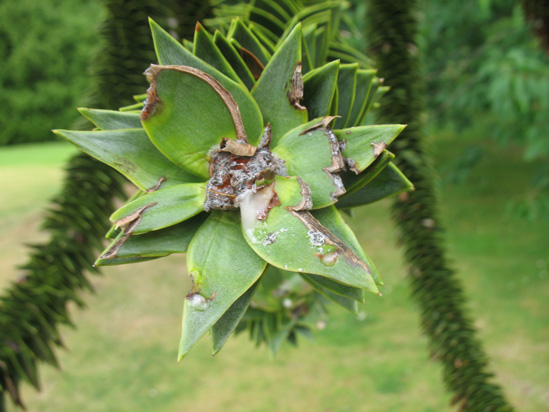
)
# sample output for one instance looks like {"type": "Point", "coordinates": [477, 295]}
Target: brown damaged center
{"type": "Point", "coordinates": [237, 167]}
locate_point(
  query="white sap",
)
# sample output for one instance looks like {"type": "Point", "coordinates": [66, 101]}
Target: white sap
{"type": "Point", "coordinates": [252, 205]}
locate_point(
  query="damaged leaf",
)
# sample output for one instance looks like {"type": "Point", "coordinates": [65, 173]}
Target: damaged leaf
{"type": "Point", "coordinates": [274, 90]}
{"type": "Point", "coordinates": [162, 208]}
{"type": "Point", "coordinates": [170, 52]}
{"type": "Point", "coordinates": [319, 89]}
{"type": "Point", "coordinates": [389, 182]}
{"type": "Point", "coordinates": [297, 242]}
{"type": "Point", "coordinates": [174, 239]}
{"type": "Point", "coordinates": [223, 268]}
{"type": "Point", "coordinates": [312, 152]}
{"type": "Point", "coordinates": [364, 144]}
{"type": "Point", "coordinates": [200, 129]}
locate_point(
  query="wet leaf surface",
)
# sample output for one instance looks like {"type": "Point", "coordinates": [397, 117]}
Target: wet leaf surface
{"type": "Point", "coordinates": [297, 242]}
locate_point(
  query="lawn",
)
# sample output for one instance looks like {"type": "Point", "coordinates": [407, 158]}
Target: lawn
{"type": "Point", "coordinates": [122, 355]}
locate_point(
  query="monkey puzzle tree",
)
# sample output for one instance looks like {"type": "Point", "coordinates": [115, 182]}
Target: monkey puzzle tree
{"type": "Point", "coordinates": [241, 165]}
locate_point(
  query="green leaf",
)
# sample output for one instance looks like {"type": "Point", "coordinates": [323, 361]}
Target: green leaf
{"type": "Point", "coordinates": [111, 119]}
{"type": "Point", "coordinates": [365, 143]}
{"type": "Point", "coordinates": [280, 87]}
{"type": "Point", "coordinates": [223, 268]}
{"type": "Point", "coordinates": [354, 182]}
{"type": "Point", "coordinates": [170, 52]}
{"type": "Point", "coordinates": [319, 88]}
{"type": "Point", "coordinates": [174, 239]}
{"type": "Point", "coordinates": [160, 209]}
{"type": "Point", "coordinates": [131, 152]}
{"type": "Point", "coordinates": [311, 151]}
{"type": "Point", "coordinates": [340, 289]}
{"type": "Point", "coordinates": [363, 84]}
{"type": "Point", "coordinates": [332, 220]}
{"type": "Point", "coordinates": [376, 82]}
{"type": "Point", "coordinates": [247, 39]}
{"type": "Point", "coordinates": [205, 48]}
{"type": "Point", "coordinates": [123, 261]}
{"type": "Point", "coordinates": [188, 112]}
{"type": "Point", "coordinates": [234, 59]}
{"type": "Point", "coordinates": [268, 19]}
{"type": "Point", "coordinates": [263, 39]}
{"type": "Point", "coordinates": [294, 240]}
{"type": "Point", "coordinates": [346, 86]}
{"type": "Point", "coordinates": [389, 182]}
{"type": "Point", "coordinates": [226, 325]}
{"type": "Point", "coordinates": [347, 303]}
{"type": "Point", "coordinates": [134, 108]}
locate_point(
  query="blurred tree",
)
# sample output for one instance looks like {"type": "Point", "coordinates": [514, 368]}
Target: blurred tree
{"type": "Point", "coordinates": [44, 71]}
{"type": "Point", "coordinates": [537, 12]}
{"type": "Point", "coordinates": [487, 75]}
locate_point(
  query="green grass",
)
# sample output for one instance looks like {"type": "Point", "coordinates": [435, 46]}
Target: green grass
{"type": "Point", "coordinates": [122, 356]}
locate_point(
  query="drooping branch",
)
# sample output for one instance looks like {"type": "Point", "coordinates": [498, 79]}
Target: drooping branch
{"type": "Point", "coordinates": [32, 309]}
{"type": "Point", "coordinates": [435, 286]}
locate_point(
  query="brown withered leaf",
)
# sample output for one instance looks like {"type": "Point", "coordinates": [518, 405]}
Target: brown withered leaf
{"type": "Point", "coordinates": [295, 94]}
{"type": "Point", "coordinates": [237, 148]}
{"type": "Point", "coordinates": [130, 222]}
{"type": "Point", "coordinates": [253, 63]}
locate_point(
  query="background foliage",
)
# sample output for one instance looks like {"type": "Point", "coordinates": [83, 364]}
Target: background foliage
{"type": "Point", "coordinates": [484, 65]}
{"type": "Point", "coordinates": [488, 76]}
{"type": "Point", "coordinates": [44, 72]}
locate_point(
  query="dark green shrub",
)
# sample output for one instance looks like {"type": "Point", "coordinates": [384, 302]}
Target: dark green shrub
{"type": "Point", "coordinates": [44, 70]}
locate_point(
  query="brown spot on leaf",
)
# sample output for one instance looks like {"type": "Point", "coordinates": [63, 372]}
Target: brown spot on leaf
{"type": "Point", "coordinates": [151, 102]}
{"type": "Point", "coordinates": [295, 94]}
{"type": "Point", "coordinates": [252, 62]}
{"type": "Point", "coordinates": [157, 185]}
{"type": "Point", "coordinates": [314, 225]}
{"type": "Point", "coordinates": [130, 222]}
{"type": "Point", "coordinates": [324, 123]}
{"type": "Point", "coordinates": [306, 197]}
{"type": "Point", "coordinates": [378, 148]}
{"type": "Point", "coordinates": [112, 252]}
{"type": "Point", "coordinates": [266, 137]}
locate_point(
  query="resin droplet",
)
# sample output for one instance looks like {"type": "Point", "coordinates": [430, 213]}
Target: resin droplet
{"type": "Point", "coordinates": [330, 259]}
{"type": "Point", "coordinates": [253, 206]}
{"type": "Point", "coordinates": [199, 302]}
